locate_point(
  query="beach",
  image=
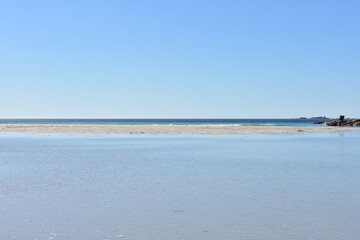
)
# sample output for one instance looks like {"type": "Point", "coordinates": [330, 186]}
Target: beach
{"type": "Point", "coordinates": [162, 129]}
{"type": "Point", "coordinates": [179, 120]}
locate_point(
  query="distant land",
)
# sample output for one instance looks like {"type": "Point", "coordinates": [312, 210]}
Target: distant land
{"type": "Point", "coordinates": [315, 118]}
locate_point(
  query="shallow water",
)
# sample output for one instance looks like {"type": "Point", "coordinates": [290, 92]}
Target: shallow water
{"type": "Point", "coordinates": [273, 187]}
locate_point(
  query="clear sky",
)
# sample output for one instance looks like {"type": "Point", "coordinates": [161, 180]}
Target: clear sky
{"type": "Point", "coordinates": [179, 58]}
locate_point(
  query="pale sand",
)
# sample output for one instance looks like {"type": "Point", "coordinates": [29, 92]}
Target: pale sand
{"type": "Point", "coordinates": [160, 129]}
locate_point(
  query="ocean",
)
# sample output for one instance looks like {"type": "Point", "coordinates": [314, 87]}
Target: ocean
{"type": "Point", "coordinates": [204, 187]}
{"type": "Point", "coordinates": [242, 122]}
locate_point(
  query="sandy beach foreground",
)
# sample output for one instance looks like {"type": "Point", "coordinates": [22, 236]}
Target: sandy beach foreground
{"type": "Point", "coordinates": [160, 129]}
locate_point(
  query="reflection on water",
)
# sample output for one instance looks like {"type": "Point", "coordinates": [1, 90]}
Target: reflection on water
{"type": "Point", "coordinates": [273, 187]}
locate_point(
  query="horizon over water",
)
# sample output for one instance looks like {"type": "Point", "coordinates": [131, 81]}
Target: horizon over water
{"type": "Point", "coordinates": [170, 121]}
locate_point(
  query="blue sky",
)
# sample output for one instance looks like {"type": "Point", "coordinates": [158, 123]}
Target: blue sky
{"type": "Point", "coordinates": [179, 59]}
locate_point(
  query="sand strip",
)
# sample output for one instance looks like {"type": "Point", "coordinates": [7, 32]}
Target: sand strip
{"type": "Point", "coordinates": [160, 129]}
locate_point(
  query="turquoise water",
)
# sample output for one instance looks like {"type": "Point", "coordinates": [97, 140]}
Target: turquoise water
{"type": "Point", "coordinates": [273, 187]}
{"type": "Point", "coordinates": [245, 122]}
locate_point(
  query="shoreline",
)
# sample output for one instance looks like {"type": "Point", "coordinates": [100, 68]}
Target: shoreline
{"type": "Point", "coordinates": [161, 129]}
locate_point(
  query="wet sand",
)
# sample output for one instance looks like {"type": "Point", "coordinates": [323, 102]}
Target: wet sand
{"type": "Point", "coordinates": [161, 129]}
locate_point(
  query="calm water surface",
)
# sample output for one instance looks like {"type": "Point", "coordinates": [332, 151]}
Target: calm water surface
{"type": "Point", "coordinates": [242, 122]}
{"type": "Point", "coordinates": [268, 187]}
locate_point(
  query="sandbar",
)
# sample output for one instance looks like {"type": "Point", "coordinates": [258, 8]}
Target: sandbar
{"type": "Point", "coordinates": [161, 129]}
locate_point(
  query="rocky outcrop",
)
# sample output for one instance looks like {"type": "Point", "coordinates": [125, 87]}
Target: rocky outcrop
{"type": "Point", "coordinates": [341, 123]}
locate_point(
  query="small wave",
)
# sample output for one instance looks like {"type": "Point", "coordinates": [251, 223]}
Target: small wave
{"type": "Point", "coordinates": [219, 125]}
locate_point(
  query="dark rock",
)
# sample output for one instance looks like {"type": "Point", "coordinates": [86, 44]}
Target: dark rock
{"type": "Point", "coordinates": [341, 123]}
